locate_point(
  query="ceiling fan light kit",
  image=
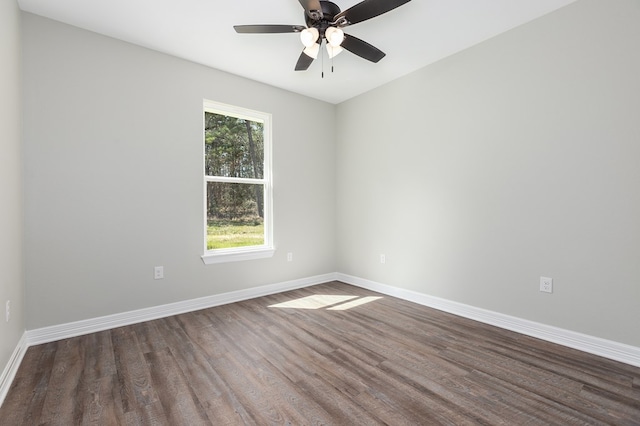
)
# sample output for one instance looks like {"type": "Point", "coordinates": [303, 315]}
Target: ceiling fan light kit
{"type": "Point", "coordinates": [324, 22]}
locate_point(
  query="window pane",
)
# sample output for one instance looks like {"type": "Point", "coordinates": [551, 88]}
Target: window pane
{"type": "Point", "coordinates": [234, 147]}
{"type": "Point", "coordinates": [235, 215]}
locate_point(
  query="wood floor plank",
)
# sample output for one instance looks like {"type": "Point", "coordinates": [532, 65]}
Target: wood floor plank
{"type": "Point", "coordinates": [615, 405]}
{"type": "Point", "coordinates": [100, 405]}
{"type": "Point", "coordinates": [449, 396]}
{"type": "Point", "coordinates": [93, 396]}
{"type": "Point", "coordinates": [329, 395]}
{"type": "Point", "coordinates": [258, 361]}
{"type": "Point", "coordinates": [530, 403]}
{"type": "Point", "coordinates": [314, 356]}
{"type": "Point", "coordinates": [149, 336]}
{"type": "Point", "coordinates": [179, 403]}
{"type": "Point", "coordinates": [59, 406]}
{"type": "Point", "coordinates": [383, 387]}
{"type": "Point", "coordinates": [597, 376]}
{"type": "Point", "coordinates": [133, 373]}
{"type": "Point", "coordinates": [147, 415]}
{"type": "Point", "coordinates": [212, 393]}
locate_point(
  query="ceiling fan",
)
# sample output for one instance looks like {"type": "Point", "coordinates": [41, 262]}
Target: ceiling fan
{"type": "Point", "coordinates": [325, 22]}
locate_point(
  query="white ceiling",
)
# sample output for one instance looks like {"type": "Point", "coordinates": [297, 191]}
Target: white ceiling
{"type": "Point", "coordinates": [413, 35]}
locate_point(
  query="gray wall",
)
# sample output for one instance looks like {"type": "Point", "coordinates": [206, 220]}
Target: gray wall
{"type": "Point", "coordinates": [515, 159]}
{"type": "Point", "coordinates": [11, 266]}
{"type": "Point", "coordinates": [113, 177]}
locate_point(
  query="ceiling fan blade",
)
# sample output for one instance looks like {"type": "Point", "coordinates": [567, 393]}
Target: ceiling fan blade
{"type": "Point", "coordinates": [368, 9]}
{"type": "Point", "coordinates": [312, 8]}
{"type": "Point", "coordinates": [267, 29]}
{"type": "Point", "coordinates": [362, 48]}
{"type": "Point", "coordinates": [304, 61]}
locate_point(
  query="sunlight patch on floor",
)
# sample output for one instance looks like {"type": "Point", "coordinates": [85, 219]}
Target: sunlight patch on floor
{"type": "Point", "coordinates": [354, 303]}
{"type": "Point", "coordinates": [330, 301]}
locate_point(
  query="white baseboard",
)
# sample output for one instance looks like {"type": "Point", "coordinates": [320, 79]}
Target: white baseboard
{"type": "Point", "coordinates": [11, 369]}
{"type": "Point", "coordinates": [590, 344]}
{"type": "Point", "coordinates": [78, 328]}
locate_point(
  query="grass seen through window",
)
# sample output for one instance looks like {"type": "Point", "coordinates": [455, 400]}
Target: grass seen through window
{"type": "Point", "coordinates": [234, 233]}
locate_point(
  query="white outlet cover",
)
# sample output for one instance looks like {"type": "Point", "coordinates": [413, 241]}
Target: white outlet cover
{"type": "Point", "coordinates": [546, 284]}
{"type": "Point", "coordinates": [158, 272]}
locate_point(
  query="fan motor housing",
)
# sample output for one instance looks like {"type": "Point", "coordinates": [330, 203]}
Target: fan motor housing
{"type": "Point", "coordinates": [329, 11]}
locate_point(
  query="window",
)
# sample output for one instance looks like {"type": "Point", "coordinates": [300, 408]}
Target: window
{"type": "Point", "coordinates": [237, 184]}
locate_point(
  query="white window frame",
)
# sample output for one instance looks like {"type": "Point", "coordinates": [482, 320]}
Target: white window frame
{"type": "Point", "coordinates": [250, 252]}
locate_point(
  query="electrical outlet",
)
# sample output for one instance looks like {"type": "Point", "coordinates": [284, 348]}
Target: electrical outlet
{"type": "Point", "coordinates": [158, 273]}
{"type": "Point", "coordinates": [7, 311]}
{"type": "Point", "coordinates": [289, 257]}
{"type": "Point", "coordinates": [383, 259]}
{"type": "Point", "coordinates": [546, 285]}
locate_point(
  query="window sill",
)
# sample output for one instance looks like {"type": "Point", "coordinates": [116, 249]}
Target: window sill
{"type": "Point", "coordinates": [225, 256]}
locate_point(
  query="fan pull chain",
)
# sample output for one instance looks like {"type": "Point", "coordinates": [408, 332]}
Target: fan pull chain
{"type": "Point", "coordinates": [322, 59]}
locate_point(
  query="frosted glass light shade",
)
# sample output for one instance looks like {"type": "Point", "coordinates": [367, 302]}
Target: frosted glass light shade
{"type": "Point", "coordinates": [312, 51]}
{"type": "Point", "coordinates": [309, 36]}
{"type": "Point", "coordinates": [334, 36]}
{"type": "Point", "coordinates": [333, 51]}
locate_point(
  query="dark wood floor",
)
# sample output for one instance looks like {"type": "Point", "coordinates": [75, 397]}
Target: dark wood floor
{"type": "Point", "coordinates": [387, 361]}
